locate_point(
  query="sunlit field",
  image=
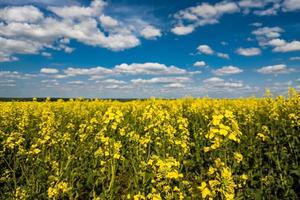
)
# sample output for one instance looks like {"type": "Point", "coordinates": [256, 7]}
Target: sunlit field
{"type": "Point", "coordinates": [153, 149]}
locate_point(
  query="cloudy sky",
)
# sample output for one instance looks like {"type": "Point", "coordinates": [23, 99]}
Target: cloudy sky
{"type": "Point", "coordinates": [137, 49]}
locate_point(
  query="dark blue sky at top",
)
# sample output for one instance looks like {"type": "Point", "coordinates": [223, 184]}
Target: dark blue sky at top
{"type": "Point", "coordinates": [234, 29]}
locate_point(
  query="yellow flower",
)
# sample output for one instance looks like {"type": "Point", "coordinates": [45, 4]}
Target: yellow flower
{"type": "Point", "coordinates": [52, 192]}
{"type": "Point", "coordinates": [219, 163]}
{"type": "Point", "coordinates": [244, 177]}
{"type": "Point", "coordinates": [238, 157]}
{"type": "Point", "coordinates": [63, 187]}
{"type": "Point", "coordinates": [213, 183]}
{"type": "Point", "coordinates": [206, 149]}
{"type": "Point", "coordinates": [223, 132]}
{"type": "Point", "coordinates": [211, 170]}
{"type": "Point", "coordinates": [174, 175]}
{"type": "Point", "coordinates": [204, 190]}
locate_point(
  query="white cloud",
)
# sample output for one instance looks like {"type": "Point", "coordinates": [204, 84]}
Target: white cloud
{"type": "Point", "coordinates": [174, 85]}
{"type": "Point", "coordinates": [46, 54]}
{"type": "Point", "coordinates": [49, 81]}
{"type": "Point", "coordinates": [39, 2]}
{"type": "Point", "coordinates": [252, 3]}
{"type": "Point", "coordinates": [256, 24]}
{"type": "Point", "coordinates": [87, 71]}
{"type": "Point", "coordinates": [76, 82]}
{"type": "Point", "coordinates": [216, 82]}
{"type": "Point", "coordinates": [150, 32]}
{"type": "Point", "coordinates": [276, 42]}
{"type": "Point", "coordinates": [270, 37]}
{"type": "Point", "coordinates": [161, 80]}
{"type": "Point", "coordinates": [205, 49]}
{"type": "Point", "coordinates": [213, 80]}
{"type": "Point", "coordinates": [119, 87]}
{"type": "Point", "coordinates": [60, 76]}
{"type": "Point", "coordinates": [94, 9]}
{"type": "Point", "coordinates": [286, 46]}
{"type": "Point", "coordinates": [148, 68]}
{"type": "Point", "coordinates": [96, 77]}
{"type": "Point", "coordinates": [224, 43]}
{"type": "Point", "coordinates": [9, 46]}
{"type": "Point", "coordinates": [49, 71]}
{"type": "Point", "coordinates": [21, 14]}
{"type": "Point", "coordinates": [108, 21]}
{"type": "Point", "coordinates": [270, 11]}
{"type": "Point", "coordinates": [111, 81]}
{"type": "Point", "coordinates": [253, 51]}
{"type": "Point", "coordinates": [275, 69]}
{"type": "Point", "coordinates": [265, 34]}
{"type": "Point", "coordinates": [5, 57]}
{"type": "Point", "coordinates": [291, 5]}
{"type": "Point", "coordinates": [199, 64]}
{"type": "Point", "coordinates": [268, 32]}
{"type": "Point", "coordinates": [98, 73]}
{"type": "Point", "coordinates": [227, 70]}
{"type": "Point", "coordinates": [182, 30]}
{"type": "Point", "coordinates": [203, 14]}
{"type": "Point", "coordinates": [7, 81]}
{"type": "Point", "coordinates": [222, 55]}
{"type": "Point", "coordinates": [15, 75]}
{"type": "Point", "coordinates": [26, 30]}
{"type": "Point", "coordinates": [260, 7]}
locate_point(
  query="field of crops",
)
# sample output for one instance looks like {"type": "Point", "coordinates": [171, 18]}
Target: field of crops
{"type": "Point", "coordinates": [153, 149]}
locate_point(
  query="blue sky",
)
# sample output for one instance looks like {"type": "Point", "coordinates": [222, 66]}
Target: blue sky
{"type": "Point", "coordinates": [138, 49]}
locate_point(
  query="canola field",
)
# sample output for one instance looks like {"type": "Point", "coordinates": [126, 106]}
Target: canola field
{"type": "Point", "coordinates": [153, 149]}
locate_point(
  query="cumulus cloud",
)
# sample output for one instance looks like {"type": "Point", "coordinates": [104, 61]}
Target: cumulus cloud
{"type": "Point", "coordinates": [71, 71]}
{"type": "Point", "coordinates": [174, 85]}
{"type": "Point", "coordinates": [275, 69]}
{"type": "Point", "coordinates": [270, 11]}
{"type": "Point", "coordinates": [270, 36]}
{"type": "Point", "coordinates": [207, 50]}
{"type": "Point", "coordinates": [101, 73]}
{"type": "Point", "coordinates": [148, 68]}
{"type": "Point", "coordinates": [199, 64]}
{"type": "Point", "coordinates": [21, 14]}
{"type": "Point", "coordinates": [76, 82]}
{"type": "Point", "coordinates": [216, 82]}
{"type": "Point", "coordinates": [9, 46]}
{"type": "Point", "coordinates": [260, 7]}
{"type": "Point", "coordinates": [291, 5]}
{"type": "Point", "coordinates": [5, 57]}
{"type": "Point", "coordinates": [283, 46]}
{"type": "Point", "coordinates": [162, 80]}
{"type": "Point", "coordinates": [227, 70]}
{"type": "Point", "coordinates": [268, 32]}
{"type": "Point", "coordinates": [256, 24]}
{"type": "Point", "coordinates": [108, 21]}
{"type": "Point", "coordinates": [150, 32]}
{"type": "Point", "coordinates": [72, 12]}
{"type": "Point", "coordinates": [190, 18]}
{"type": "Point", "coordinates": [222, 55]}
{"type": "Point", "coordinates": [182, 30]}
{"type": "Point", "coordinates": [247, 4]}
{"type": "Point", "coordinates": [15, 75]}
{"type": "Point", "coordinates": [265, 34]}
{"type": "Point", "coordinates": [25, 29]}
{"type": "Point", "coordinates": [46, 54]}
{"type": "Point", "coordinates": [253, 51]}
{"type": "Point", "coordinates": [49, 71]}
{"type": "Point", "coordinates": [111, 81]}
